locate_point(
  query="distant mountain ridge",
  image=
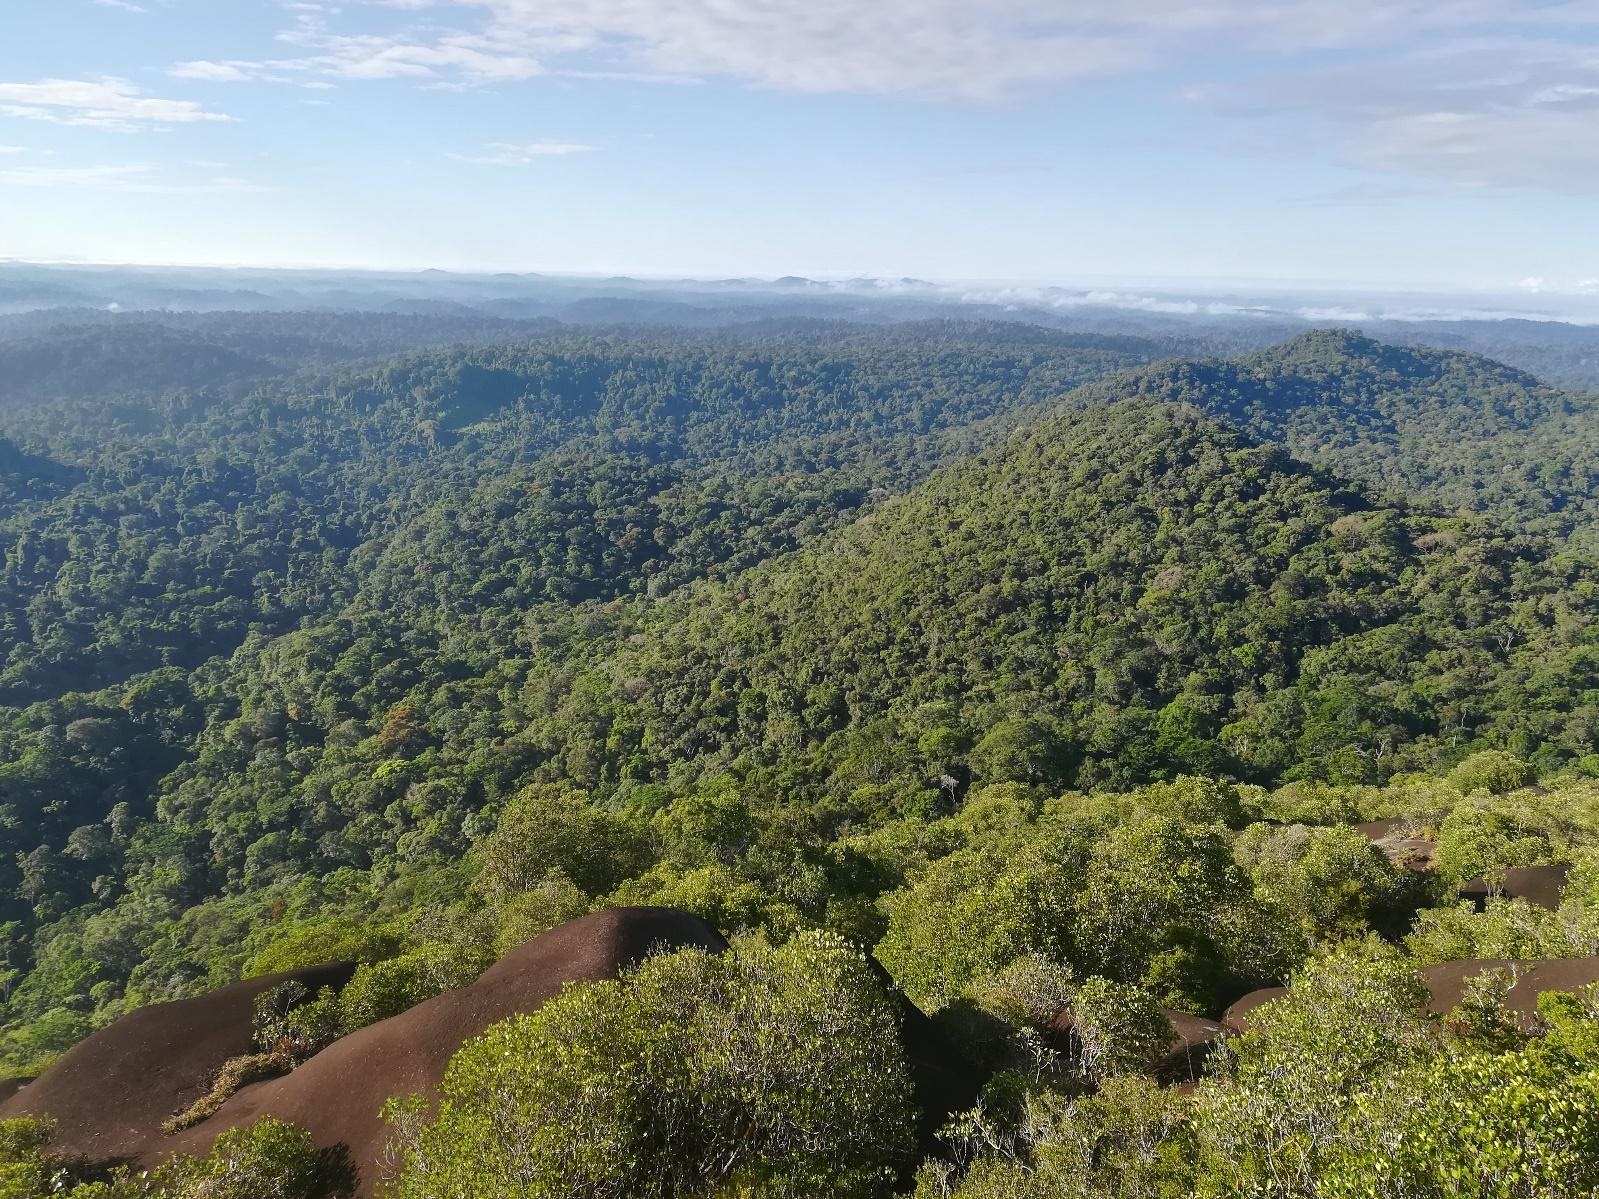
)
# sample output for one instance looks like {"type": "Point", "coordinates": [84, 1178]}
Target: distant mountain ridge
{"type": "Point", "coordinates": [1441, 428]}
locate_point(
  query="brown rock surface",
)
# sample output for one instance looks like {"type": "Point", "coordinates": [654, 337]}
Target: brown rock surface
{"type": "Point", "coordinates": [1544, 886]}
{"type": "Point", "coordinates": [109, 1095]}
{"type": "Point", "coordinates": [1194, 1038]}
{"type": "Point", "coordinates": [1446, 985]}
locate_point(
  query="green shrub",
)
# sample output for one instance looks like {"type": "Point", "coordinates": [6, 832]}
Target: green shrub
{"type": "Point", "coordinates": [1118, 1029]}
{"type": "Point", "coordinates": [267, 1160]}
{"type": "Point", "coordinates": [1130, 1140]}
{"type": "Point", "coordinates": [318, 942]}
{"type": "Point", "coordinates": [521, 917]}
{"type": "Point", "coordinates": [1268, 1121]}
{"type": "Point", "coordinates": [1327, 884]}
{"type": "Point", "coordinates": [1507, 1126]}
{"type": "Point", "coordinates": [547, 828]}
{"type": "Point", "coordinates": [24, 1171]}
{"type": "Point", "coordinates": [1484, 837]}
{"type": "Point", "coordinates": [1505, 928]}
{"type": "Point", "coordinates": [383, 989]}
{"type": "Point", "coordinates": [1492, 771]}
{"type": "Point", "coordinates": [775, 1069]}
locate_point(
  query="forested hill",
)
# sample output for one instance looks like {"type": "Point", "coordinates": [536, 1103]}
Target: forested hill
{"type": "Point", "coordinates": [127, 359]}
{"type": "Point", "coordinates": [1444, 428]}
{"type": "Point", "coordinates": [200, 520]}
{"type": "Point", "coordinates": [89, 354]}
{"type": "Point", "coordinates": [1114, 595]}
{"type": "Point", "coordinates": [29, 476]}
{"type": "Point", "coordinates": [202, 634]}
{"type": "Point", "coordinates": [290, 652]}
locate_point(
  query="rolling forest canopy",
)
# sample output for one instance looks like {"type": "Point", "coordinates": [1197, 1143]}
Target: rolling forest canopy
{"type": "Point", "coordinates": [287, 634]}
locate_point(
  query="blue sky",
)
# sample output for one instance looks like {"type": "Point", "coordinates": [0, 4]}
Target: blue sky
{"type": "Point", "coordinates": [1447, 143]}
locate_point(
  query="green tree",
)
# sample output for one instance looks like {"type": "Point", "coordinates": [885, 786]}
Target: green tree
{"type": "Point", "coordinates": [546, 828]}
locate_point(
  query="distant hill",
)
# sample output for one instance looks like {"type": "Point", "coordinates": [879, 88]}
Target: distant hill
{"type": "Point", "coordinates": [1121, 593]}
{"type": "Point", "coordinates": [29, 476]}
{"type": "Point", "coordinates": [122, 359]}
{"type": "Point", "coordinates": [1449, 430]}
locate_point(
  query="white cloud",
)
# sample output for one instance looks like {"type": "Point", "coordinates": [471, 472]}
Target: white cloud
{"type": "Point", "coordinates": [949, 48]}
{"type": "Point", "coordinates": [1516, 107]}
{"type": "Point", "coordinates": [124, 5]}
{"type": "Point", "coordinates": [1539, 286]}
{"type": "Point", "coordinates": [211, 72]}
{"type": "Point", "coordinates": [141, 178]}
{"type": "Point", "coordinates": [523, 154]}
{"type": "Point", "coordinates": [430, 57]}
{"type": "Point", "coordinates": [106, 103]}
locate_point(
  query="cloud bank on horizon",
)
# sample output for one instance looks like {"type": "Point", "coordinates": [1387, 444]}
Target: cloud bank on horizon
{"type": "Point", "coordinates": [1370, 103]}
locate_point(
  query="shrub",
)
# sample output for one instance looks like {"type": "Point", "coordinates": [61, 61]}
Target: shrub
{"type": "Point", "coordinates": [1117, 1029]}
{"type": "Point", "coordinates": [523, 916]}
{"type": "Point", "coordinates": [24, 1171]}
{"type": "Point", "coordinates": [383, 989]}
{"type": "Point", "coordinates": [1268, 1121]}
{"type": "Point", "coordinates": [1507, 1126]}
{"type": "Point", "coordinates": [969, 915]}
{"type": "Point", "coordinates": [773, 1069]}
{"type": "Point", "coordinates": [318, 942]}
{"type": "Point", "coordinates": [1326, 883]}
{"type": "Point", "coordinates": [1492, 771]}
{"type": "Point", "coordinates": [267, 1160]}
{"type": "Point", "coordinates": [1482, 838]}
{"type": "Point", "coordinates": [236, 1073]}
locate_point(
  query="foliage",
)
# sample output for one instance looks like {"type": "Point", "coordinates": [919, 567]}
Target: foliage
{"type": "Point", "coordinates": [1331, 883]}
{"type": "Point", "coordinates": [266, 1160]}
{"type": "Point", "coordinates": [777, 1069]}
{"type": "Point", "coordinates": [1484, 837]}
{"type": "Point", "coordinates": [1269, 1124]}
{"type": "Point", "coordinates": [1516, 1125]}
{"type": "Point", "coordinates": [1117, 1030]}
{"type": "Point", "coordinates": [25, 1173]}
{"type": "Point", "coordinates": [1065, 700]}
{"type": "Point", "coordinates": [383, 989]}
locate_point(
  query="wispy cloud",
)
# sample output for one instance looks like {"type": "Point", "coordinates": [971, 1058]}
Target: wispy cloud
{"type": "Point", "coordinates": [945, 48]}
{"type": "Point", "coordinates": [106, 103]}
{"type": "Point", "coordinates": [207, 71]}
{"type": "Point", "coordinates": [430, 57]}
{"type": "Point", "coordinates": [124, 5]}
{"type": "Point", "coordinates": [143, 178]}
{"type": "Point", "coordinates": [522, 154]}
{"type": "Point", "coordinates": [1507, 93]}
{"type": "Point", "coordinates": [1485, 114]}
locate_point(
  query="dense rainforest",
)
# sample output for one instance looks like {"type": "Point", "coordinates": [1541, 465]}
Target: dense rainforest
{"type": "Point", "coordinates": [1054, 669]}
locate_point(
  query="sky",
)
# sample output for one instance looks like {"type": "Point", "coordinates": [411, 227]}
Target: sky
{"type": "Point", "coordinates": [1403, 143]}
